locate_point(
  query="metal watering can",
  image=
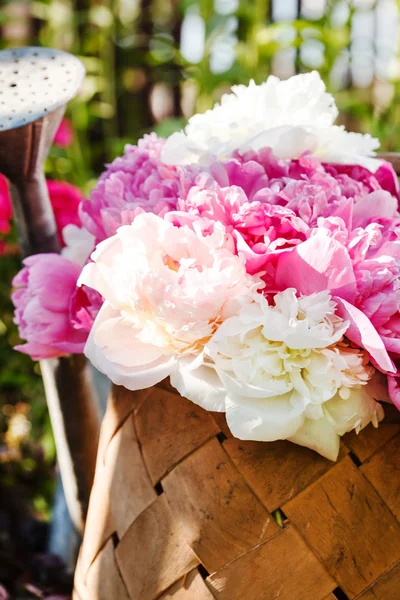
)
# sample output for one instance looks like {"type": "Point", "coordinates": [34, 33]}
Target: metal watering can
{"type": "Point", "coordinates": [35, 86]}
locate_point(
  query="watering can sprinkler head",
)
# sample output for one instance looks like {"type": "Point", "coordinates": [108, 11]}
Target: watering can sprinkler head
{"type": "Point", "coordinates": [35, 86]}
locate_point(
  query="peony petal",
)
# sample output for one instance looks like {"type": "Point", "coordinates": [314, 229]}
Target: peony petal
{"type": "Point", "coordinates": [264, 419]}
{"type": "Point", "coordinates": [286, 141]}
{"type": "Point", "coordinates": [53, 279]}
{"type": "Point", "coordinates": [321, 263]}
{"type": "Point", "coordinates": [392, 344]}
{"type": "Point", "coordinates": [39, 351]}
{"type": "Point", "coordinates": [378, 387]}
{"type": "Point", "coordinates": [345, 212]}
{"type": "Point", "coordinates": [362, 332]}
{"type": "Point", "coordinates": [319, 435]}
{"type": "Point", "coordinates": [355, 412]}
{"type": "Point", "coordinates": [387, 178]}
{"type": "Point", "coordinates": [98, 274]}
{"type": "Point", "coordinates": [367, 208]}
{"type": "Point", "coordinates": [90, 276]}
{"type": "Point", "coordinates": [129, 375]}
{"type": "Point", "coordinates": [120, 344]}
{"type": "Point", "coordinates": [179, 151]}
{"type": "Point", "coordinates": [200, 385]}
{"type": "Point", "coordinates": [271, 389]}
{"type": "Point", "coordinates": [79, 244]}
{"type": "Point", "coordinates": [394, 390]}
{"type": "Point", "coordinates": [255, 262]}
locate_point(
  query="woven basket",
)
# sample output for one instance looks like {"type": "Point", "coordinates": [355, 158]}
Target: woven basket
{"type": "Point", "coordinates": [181, 509]}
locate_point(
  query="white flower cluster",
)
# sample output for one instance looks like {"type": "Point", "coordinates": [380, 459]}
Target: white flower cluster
{"type": "Point", "coordinates": [291, 117]}
{"type": "Point", "coordinates": [283, 372]}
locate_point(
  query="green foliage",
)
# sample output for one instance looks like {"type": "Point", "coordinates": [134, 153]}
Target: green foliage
{"type": "Point", "coordinates": [27, 452]}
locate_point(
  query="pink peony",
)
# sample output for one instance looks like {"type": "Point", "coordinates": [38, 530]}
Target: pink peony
{"type": "Point", "coordinates": [135, 183]}
{"type": "Point", "coordinates": [259, 229]}
{"type": "Point", "coordinates": [384, 178]}
{"type": "Point", "coordinates": [46, 288]}
{"type": "Point", "coordinates": [360, 267]}
{"type": "Point", "coordinates": [64, 134]}
{"type": "Point", "coordinates": [376, 258]}
{"type": "Point", "coordinates": [270, 205]}
{"type": "Point", "coordinates": [394, 388]}
{"type": "Point", "coordinates": [84, 307]}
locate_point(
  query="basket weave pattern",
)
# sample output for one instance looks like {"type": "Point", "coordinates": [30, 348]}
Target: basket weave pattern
{"type": "Point", "coordinates": [181, 509]}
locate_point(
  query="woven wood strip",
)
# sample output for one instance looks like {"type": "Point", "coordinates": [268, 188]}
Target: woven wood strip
{"type": "Point", "coordinates": [283, 567]}
{"type": "Point", "coordinates": [154, 552]}
{"type": "Point", "coordinates": [384, 467]}
{"type": "Point", "coordinates": [121, 403]}
{"type": "Point", "coordinates": [206, 494]}
{"type": "Point", "coordinates": [387, 588]}
{"type": "Point", "coordinates": [190, 587]}
{"type": "Point", "coordinates": [180, 509]}
{"type": "Point", "coordinates": [371, 439]}
{"type": "Point", "coordinates": [103, 579]}
{"type": "Point", "coordinates": [127, 476]}
{"type": "Point", "coordinates": [348, 526]}
{"type": "Point", "coordinates": [164, 420]}
{"type": "Point", "coordinates": [278, 472]}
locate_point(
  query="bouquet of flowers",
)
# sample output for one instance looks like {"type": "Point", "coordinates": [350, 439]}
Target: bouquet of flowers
{"type": "Point", "coordinates": [253, 258]}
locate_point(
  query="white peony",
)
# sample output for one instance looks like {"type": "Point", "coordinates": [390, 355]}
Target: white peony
{"type": "Point", "coordinates": [79, 244]}
{"type": "Point", "coordinates": [285, 373]}
{"type": "Point", "coordinates": [291, 117]}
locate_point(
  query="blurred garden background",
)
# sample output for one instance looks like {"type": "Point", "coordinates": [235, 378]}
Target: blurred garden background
{"type": "Point", "coordinates": [150, 65]}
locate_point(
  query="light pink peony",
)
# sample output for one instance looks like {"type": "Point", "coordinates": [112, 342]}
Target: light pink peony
{"type": "Point", "coordinates": [166, 290]}
{"type": "Point", "coordinates": [134, 183]}
{"type": "Point", "coordinates": [46, 286]}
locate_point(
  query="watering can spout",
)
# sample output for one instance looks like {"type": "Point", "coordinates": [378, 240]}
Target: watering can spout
{"type": "Point", "coordinates": [22, 155]}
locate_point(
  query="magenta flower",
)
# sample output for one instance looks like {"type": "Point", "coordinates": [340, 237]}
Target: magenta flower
{"type": "Point", "coordinates": [65, 199]}
{"type": "Point", "coordinates": [134, 183]}
{"type": "Point", "coordinates": [5, 212]}
{"type": "Point", "coordinates": [5, 206]}
{"type": "Point", "coordinates": [64, 134]}
{"type": "Point", "coordinates": [45, 288]}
